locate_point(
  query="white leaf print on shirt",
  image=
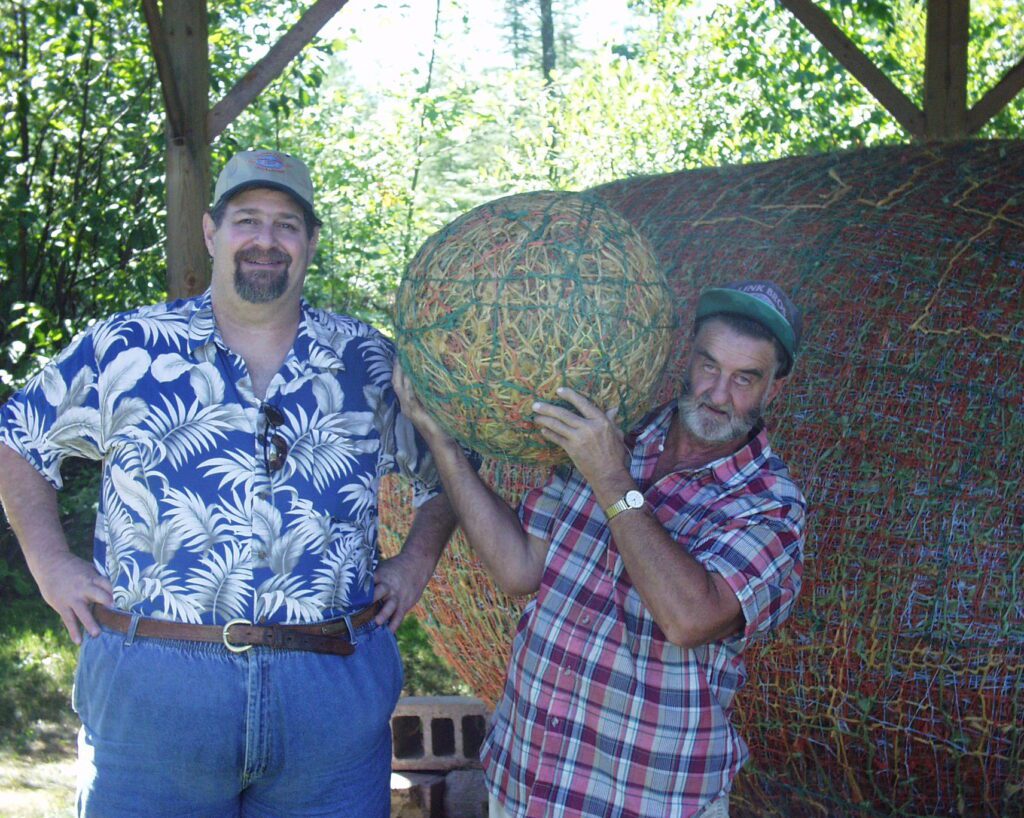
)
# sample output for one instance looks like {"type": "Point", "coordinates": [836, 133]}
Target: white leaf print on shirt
{"type": "Point", "coordinates": [333, 580]}
{"type": "Point", "coordinates": [328, 394]}
{"type": "Point", "coordinates": [272, 549]}
{"type": "Point", "coordinates": [118, 377]}
{"type": "Point", "coordinates": [220, 583]}
{"type": "Point", "coordinates": [136, 496]}
{"type": "Point", "coordinates": [207, 384]}
{"type": "Point", "coordinates": [200, 526]}
{"type": "Point", "coordinates": [182, 431]}
{"type": "Point", "coordinates": [170, 366]}
{"type": "Point", "coordinates": [77, 431]}
{"type": "Point", "coordinates": [300, 603]}
{"type": "Point", "coordinates": [53, 385]}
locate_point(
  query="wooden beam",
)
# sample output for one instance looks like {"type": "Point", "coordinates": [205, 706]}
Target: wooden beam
{"type": "Point", "coordinates": [816, 21]}
{"type": "Point", "coordinates": [162, 57]}
{"type": "Point", "coordinates": [188, 158]}
{"type": "Point", "coordinates": [271, 65]}
{"type": "Point", "coordinates": [945, 69]}
{"type": "Point", "coordinates": [996, 98]}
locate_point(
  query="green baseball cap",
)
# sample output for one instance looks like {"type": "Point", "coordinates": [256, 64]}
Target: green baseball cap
{"type": "Point", "coordinates": [272, 169]}
{"type": "Point", "coordinates": [763, 302]}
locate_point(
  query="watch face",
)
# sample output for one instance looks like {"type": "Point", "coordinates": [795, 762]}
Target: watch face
{"type": "Point", "coordinates": [634, 499]}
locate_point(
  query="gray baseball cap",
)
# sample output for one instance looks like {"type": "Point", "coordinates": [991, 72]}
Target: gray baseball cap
{"type": "Point", "coordinates": [272, 169]}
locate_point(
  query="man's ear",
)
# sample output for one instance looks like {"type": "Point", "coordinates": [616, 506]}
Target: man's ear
{"type": "Point", "coordinates": [209, 228]}
{"type": "Point", "coordinates": [775, 388]}
{"type": "Point", "coordinates": [313, 241]}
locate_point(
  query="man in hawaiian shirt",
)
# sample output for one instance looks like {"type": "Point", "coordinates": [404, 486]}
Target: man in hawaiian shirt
{"type": "Point", "coordinates": [656, 557]}
{"type": "Point", "coordinates": [237, 658]}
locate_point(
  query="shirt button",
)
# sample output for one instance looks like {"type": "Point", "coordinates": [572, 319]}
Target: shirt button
{"type": "Point", "coordinates": [261, 554]}
{"type": "Point", "coordinates": [585, 620]}
{"type": "Point", "coordinates": [554, 722]}
{"type": "Point", "coordinates": [263, 494]}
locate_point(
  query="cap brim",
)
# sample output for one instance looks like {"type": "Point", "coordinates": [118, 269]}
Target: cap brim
{"type": "Point", "coordinates": [718, 300]}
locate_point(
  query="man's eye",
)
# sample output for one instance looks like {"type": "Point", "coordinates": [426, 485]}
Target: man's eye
{"type": "Point", "coordinates": [289, 226]}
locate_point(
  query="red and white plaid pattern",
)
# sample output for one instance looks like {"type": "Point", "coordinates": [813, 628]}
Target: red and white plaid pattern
{"type": "Point", "coordinates": [601, 715]}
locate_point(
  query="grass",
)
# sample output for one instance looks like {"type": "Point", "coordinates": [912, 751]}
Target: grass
{"type": "Point", "coordinates": [37, 666]}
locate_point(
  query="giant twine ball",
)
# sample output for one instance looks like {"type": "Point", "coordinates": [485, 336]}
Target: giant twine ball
{"type": "Point", "coordinates": [520, 296]}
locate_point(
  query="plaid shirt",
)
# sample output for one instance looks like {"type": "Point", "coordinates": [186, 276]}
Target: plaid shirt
{"type": "Point", "coordinates": [601, 715]}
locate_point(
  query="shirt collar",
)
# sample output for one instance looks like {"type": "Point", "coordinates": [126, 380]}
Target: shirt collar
{"type": "Point", "coordinates": [315, 342]}
{"type": "Point", "coordinates": [734, 468]}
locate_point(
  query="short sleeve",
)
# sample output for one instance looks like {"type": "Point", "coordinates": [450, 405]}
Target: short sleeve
{"type": "Point", "coordinates": [761, 557]}
{"type": "Point", "coordinates": [404, 449]}
{"type": "Point", "coordinates": [56, 415]}
{"type": "Point", "coordinates": [539, 507]}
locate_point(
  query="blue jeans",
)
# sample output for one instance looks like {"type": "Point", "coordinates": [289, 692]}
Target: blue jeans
{"type": "Point", "coordinates": [189, 729]}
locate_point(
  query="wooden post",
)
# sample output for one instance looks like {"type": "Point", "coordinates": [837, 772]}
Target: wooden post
{"type": "Point", "coordinates": [188, 151]}
{"type": "Point", "coordinates": [945, 69]}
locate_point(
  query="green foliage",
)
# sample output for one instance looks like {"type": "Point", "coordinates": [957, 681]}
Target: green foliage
{"type": "Point", "coordinates": [425, 673]}
{"type": "Point", "coordinates": [37, 662]}
{"type": "Point", "coordinates": [79, 183]}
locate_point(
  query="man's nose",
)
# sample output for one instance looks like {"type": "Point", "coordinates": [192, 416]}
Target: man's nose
{"type": "Point", "coordinates": [719, 392]}
{"type": "Point", "coordinates": [265, 236]}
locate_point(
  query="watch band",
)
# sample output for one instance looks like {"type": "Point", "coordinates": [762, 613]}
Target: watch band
{"type": "Point", "coordinates": [631, 499]}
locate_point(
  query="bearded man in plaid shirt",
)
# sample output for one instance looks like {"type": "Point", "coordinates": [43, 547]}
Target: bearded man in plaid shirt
{"type": "Point", "coordinates": [655, 559]}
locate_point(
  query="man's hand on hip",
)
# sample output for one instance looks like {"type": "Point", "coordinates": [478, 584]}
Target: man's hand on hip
{"type": "Point", "coordinates": [399, 584]}
{"type": "Point", "coordinates": [70, 586]}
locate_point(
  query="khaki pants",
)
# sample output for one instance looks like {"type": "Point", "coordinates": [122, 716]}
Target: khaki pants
{"type": "Point", "coordinates": [719, 808]}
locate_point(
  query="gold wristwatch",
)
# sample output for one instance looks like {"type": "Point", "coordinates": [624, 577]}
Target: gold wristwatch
{"type": "Point", "coordinates": [631, 499]}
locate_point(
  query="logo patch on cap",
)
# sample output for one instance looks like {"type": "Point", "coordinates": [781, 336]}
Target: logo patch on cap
{"type": "Point", "coordinates": [766, 294]}
{"type": "Point", "coordinates": [269, 161]}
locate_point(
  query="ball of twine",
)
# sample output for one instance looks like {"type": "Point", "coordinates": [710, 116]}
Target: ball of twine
{"type": "Point", "coordinates": [520, 296]}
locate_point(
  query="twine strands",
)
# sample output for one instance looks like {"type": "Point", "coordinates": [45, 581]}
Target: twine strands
{"type": "Point", "coordinates": [525, 294]}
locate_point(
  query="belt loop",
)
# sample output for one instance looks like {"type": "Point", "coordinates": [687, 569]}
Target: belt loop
{"type": "Point", "coordinates": [352, 638]}
{"type": "Point", "coordinates": [129, 637]}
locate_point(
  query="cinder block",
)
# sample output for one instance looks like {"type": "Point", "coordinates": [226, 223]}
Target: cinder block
{"type": "Point", "coordinates": [417, 795]}
{"type": "Point", "coordinates": [465, 794]}
{"type": "Point", "coordinates": [437, 732]}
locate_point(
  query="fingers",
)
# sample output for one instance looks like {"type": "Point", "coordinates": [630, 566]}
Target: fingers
{"type": "Point", "coordinates": [583, 406]}
{"type": "Point", "coordinates": [70, 621]}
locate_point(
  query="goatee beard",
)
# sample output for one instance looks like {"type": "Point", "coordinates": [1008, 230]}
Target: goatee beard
{"type": "Point", "coordinates": [712, 429]}
{"type": "Point", "coordinates": [261, 287]}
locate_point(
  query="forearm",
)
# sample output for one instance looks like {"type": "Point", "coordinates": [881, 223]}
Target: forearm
{"type": "Point", "coordinates": [68, 584]}
{"type": "Point", "coordinates": [432, 527]}
{"type": "Point", "coordinates": [30, 504]}
{"type": "Point", "coordinates": [514, 560]}
{"type": "Point", "coordinates": [692, 606]}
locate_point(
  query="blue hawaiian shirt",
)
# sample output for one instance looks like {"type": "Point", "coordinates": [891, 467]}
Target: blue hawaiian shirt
{"type": "Point", "coordinates": [216, 505]}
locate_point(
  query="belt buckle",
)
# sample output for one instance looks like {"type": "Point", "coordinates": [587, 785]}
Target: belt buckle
{"type": "Point", "coordinates": [227, 643]}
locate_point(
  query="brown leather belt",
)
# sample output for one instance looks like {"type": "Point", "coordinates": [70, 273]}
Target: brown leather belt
{"type": "Point", "coordinates": [240, 635]}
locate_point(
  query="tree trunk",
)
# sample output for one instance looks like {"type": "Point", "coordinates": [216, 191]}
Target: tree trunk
{"type": "Point", "coordinates": [547, 40]}
{"type": "Point", "coordinates": [188, 151]}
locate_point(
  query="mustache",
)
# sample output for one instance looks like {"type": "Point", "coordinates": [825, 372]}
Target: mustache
{"type": "Point", "coordinates": [271, 256]}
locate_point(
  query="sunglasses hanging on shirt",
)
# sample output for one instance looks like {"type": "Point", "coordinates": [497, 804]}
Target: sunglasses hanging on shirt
{"type": "Point", "coordinates": [275, 447]}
